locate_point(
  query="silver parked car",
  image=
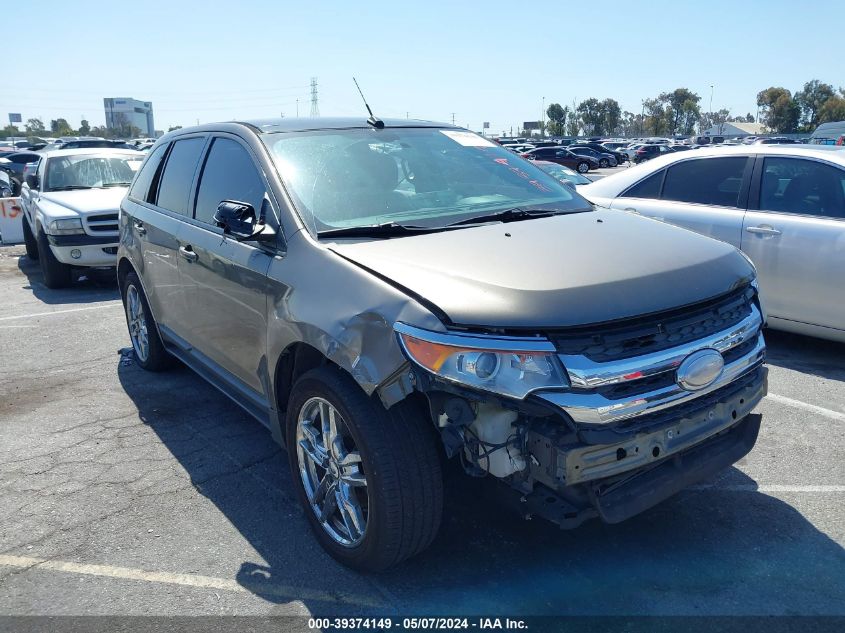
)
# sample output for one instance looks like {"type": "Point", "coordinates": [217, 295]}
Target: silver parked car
{"type": "Point", "coordinates": [784, 206]}
{"type": "Point", "coordinates": [387, 294]}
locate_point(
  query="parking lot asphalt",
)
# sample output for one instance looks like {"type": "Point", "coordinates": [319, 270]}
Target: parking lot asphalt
{"type": "Point", "coordinates": [125, 492]}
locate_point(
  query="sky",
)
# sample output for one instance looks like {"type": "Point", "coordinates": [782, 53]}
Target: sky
{"type": "Point", "coordinates": [495, 61]}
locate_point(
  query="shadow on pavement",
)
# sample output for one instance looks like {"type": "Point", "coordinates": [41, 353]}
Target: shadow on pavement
{"type": "Point", "coordinates": [706, 551]}
{"type": "Point", "coordinates": [806, 354]}
{"type": "Point", "coordinates": [89, 286]}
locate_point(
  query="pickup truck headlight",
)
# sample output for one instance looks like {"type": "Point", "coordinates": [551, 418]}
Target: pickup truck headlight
{"type": "Point", "coordinates": [67, 226]}
{"type": "Point", "coordinates": [508, 366]}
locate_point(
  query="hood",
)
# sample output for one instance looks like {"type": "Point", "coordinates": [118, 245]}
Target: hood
{"type": "Point", "coordinates": [560, 271]}
{"type": "Point", "coordinates": [84, 201]}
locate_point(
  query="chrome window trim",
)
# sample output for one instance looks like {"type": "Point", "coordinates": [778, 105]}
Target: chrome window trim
{"type": "Point", "coordinates": [587, 374]}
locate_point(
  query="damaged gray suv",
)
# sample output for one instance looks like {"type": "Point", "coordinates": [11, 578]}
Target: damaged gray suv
{"type": "Point", "coordinates": [385, 295]}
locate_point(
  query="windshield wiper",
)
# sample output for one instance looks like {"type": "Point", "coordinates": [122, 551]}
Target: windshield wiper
{"type": "Point", "coordinates": [509, 215]}
{"type": "Point", "coordinates": [388, 229]}
{"type": "Point", "coordinates": [114, 184]}
{"type": "Point", "coordinates": [70, 187]}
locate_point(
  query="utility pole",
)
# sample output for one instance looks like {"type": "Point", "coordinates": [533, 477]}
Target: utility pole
{"type": "Point", "coordinates": [315, 109]}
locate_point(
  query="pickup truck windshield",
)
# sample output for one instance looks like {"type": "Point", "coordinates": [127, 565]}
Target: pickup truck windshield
{"type": "Point", "coordinates": [425, 177]}
{"type": "Point", "coordinates": [89, 171]}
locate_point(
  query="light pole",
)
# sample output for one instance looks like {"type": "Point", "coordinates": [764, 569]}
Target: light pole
{"type": "Point", "coordinates": [711, 99]}
{"type": "Point", "coordinates": [543, 117]}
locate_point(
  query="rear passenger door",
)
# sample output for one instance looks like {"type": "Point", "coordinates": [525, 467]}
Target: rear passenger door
{"type": "Point", "coordinates": [156, 224]}
{"type": "Point", "coordinates": [225, 280]}
{"type": "Point", "coordinates": [707, 195]}
{"type": "Point", "coordinates": [795, 235]}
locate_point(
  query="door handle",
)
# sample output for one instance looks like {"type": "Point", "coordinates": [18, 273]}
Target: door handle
{"type": "Point", "coordinates": [188, 253]}
{"type": "Point", "coordinates": [762, 230]}
{"type": "Point", "coordinates": [139, 226]}
{"type": "Point", "coordinates": [631, 209]}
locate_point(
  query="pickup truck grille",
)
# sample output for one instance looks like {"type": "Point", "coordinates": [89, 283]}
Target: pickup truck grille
{"type": "Point", "coordinates": [101, 223]}
{"type": "Point", "coordinates": [656, 332]}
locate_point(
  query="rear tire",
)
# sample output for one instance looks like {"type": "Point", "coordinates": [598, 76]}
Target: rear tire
{"type": "Point", "coordinates": [604, 163]}
{"type": "Point", "coordinates": [394, 452]}
{"type": "Point", "coordinates": [29, 240]}
{"type": "Point", "coordinates": [56, 274]}
{"type": "Point", "coordinates": [150, 353]}
{"type": "Point", "coordinates": [583, 167]}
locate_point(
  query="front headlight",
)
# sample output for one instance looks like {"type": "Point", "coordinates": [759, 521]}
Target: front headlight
{"type": "Point", "coordinates": [67, 226]}
{"type": "Point", "coordinates": [505, 365]}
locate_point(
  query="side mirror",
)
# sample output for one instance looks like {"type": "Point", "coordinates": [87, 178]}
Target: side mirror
{"type": "Point", "coordinates": [238, 219]}
{"type": "Point", "coordinates": [32, 181]}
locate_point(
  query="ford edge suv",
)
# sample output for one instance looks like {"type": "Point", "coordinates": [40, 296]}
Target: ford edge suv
{"type": "Point", "coordinates": [384, 295]}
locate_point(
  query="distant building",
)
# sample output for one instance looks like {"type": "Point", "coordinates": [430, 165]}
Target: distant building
{"type": "Point", "coordinates": [124, 110]}
{"type": "Point", "coordinates": [735, 129]}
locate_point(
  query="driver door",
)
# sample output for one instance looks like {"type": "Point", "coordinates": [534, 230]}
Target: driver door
{"type": "Point", "coordinates": [225, 280]}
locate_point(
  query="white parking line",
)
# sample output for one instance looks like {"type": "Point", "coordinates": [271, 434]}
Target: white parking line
{"type": "Point", "coordinates": [798, 404]}
{"type": "Point", "coordinates": [188, 580]}
{"type": "Point", "coordinates": [768, 488]}
{"type": "Point", "coordinates": [113, 304]}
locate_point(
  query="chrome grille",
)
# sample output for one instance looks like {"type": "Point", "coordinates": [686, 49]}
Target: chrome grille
{"type": "Point", "coordinates": [656, 332]}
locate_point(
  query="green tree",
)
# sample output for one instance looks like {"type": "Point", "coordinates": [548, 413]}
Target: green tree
{"type": "Point", "coordinates": [557, 119]}
{"type": "Point", "coordinates": [84, 128]}
{"type": "Point", "coordinates": [611, 114]}
{"type": "Point", "coordinates": [10, 130]}
{"type": "Point", "coordinates": [60, 127]}
{"type": "Point", "coordinates": [681, 110]}
{"type": "Point", "coordinates": [780, 112]}
{"type": "Point", "coordinates": [832, 110]}
{"type": "Point", "coordinates": [718, 120]}
{"type": "Point", "coordinates": [592, 116]}
{"type": "Point", "coordinates": [35, 126]}
{"type": "Point", "coordinates": [174, 127]}
{"type": "Point", "coordinates": [656, 121]}
{"type": "Point", "coordinates": [811, 100]}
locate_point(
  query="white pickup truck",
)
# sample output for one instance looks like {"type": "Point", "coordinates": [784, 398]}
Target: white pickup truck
{"type": "Point", "coordinates": [70, 209]}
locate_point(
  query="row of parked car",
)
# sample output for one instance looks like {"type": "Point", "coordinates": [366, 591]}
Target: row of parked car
{"type": "Point", "coordinates": [340, 308]}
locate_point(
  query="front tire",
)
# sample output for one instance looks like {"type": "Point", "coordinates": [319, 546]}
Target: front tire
{"type": "Point", "coordinates": [56, 274]}
{"type": "Point", "coordinates": [604, 163]}
{"type": "Point", "coordinates": [29, 240]}
{"type": "Point", "coordinates": [369, 479]}
{"type": "Point", "coordinates": [583, 167]}
{"type": "Point", "coordinates": [150, 353]}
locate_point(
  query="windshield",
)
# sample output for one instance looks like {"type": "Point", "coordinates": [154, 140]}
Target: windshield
{"type": "Point", "coordinates": [559, 171]}
{"type": "Point", "coordinates": [425, 177]}
{"type": "Point", "coordinates": [86, 171]}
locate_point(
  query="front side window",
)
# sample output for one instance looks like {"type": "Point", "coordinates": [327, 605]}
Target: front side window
{"type": "Point", "coordinates": [91, 171]}
{"type": "Point", "coordinates": [808, 187]}
{"type": "Point", "coordinates": [229, 174]}
{"type": "Point", "coordinates": [174, 189]}
{"type": "Point", "coordinates": [713, 181]}
{"type": "Point", "coordinates": [413, 176]}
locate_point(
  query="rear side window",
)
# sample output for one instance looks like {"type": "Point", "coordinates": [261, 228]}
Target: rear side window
{"type": "Point", "coordinates": [174, 189]}
{"type": "Point", "coordinates": [794, 185]}
{"type": "Point", "coordinates": [229, 174]}
{"type": "Point", "coordinates": [646, 188]}
{"type": "Point", "coordinates": [141, 185]}
{"type": "Point", "coordinates": [714, 181]}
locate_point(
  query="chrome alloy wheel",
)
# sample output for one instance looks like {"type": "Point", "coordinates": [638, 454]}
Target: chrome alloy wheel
{"type": "Point", "coordinates": [332, 472]}
{"type": "Point", "coordinates": [137, 322]}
